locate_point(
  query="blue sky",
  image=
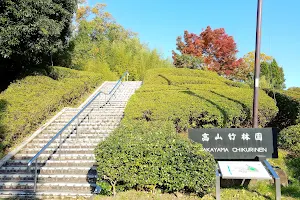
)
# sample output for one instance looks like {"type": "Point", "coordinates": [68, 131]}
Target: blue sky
{"type": "Point", "coordinates": [159, 22]}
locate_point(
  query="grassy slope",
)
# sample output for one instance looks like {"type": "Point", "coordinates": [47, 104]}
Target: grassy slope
{"type": "Point", "coordinates": [29, 102]}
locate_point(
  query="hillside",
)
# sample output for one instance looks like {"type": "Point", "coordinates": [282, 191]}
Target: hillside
{"type": "Point", "coordinates": [196, 98]}
{"type": "Point", "coordinates": [147, 142]}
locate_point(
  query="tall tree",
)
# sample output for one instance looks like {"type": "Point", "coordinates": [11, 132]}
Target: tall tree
{"type": "Point", "coordinates": [241, 72]}
{"type": "Point", "coordinates": [31, 31]}
{"type": "Point", "coordinates": [216, 48]}
{"type": "Point", "coordinates": [249, 60]}
{"type": "Point", "coordinates": [273, 74]}
{"type": "Point", "coordinates": [104, 46]}
{"type": "Point", "coordinates": [187, 61]}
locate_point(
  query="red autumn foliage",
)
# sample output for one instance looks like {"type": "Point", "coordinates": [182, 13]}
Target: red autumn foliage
{"type": "Point", "coordinates": [216, 48]}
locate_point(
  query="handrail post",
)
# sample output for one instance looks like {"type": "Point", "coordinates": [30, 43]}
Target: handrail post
{"type": "Point", "coordinates": [100, 101]}
{"type": "Point", "coordinates": [77, 123]}
{"type": "Point", "coordinates": [60, 144]}
{"type": "Point", "coordinates": [35, 176]}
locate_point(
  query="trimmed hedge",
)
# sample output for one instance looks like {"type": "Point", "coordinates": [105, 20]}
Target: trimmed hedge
{"type": "Point", "coordinates": [151, 156]}
{"type": "Point", "coordinates": [288, 103]}
{"type": "Point", "coordinates": [294, 89]}
{"type": "Point", "coordinates": [295, 95]}
{"type": "Point", "coordinates": [161, 75]}
{"type": "Point", "coordinates": [288, 119]}
{"type": "Point", "coordinates": [25, 104]}
{"type": "Point", "coordinates": [289, 139]}
{"type": "Point", "coordinates": [196, 99]}
{"type": "Point", "coordinates": [146, 153]}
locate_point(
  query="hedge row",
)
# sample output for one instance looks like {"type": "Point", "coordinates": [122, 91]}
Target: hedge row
{"type": "Point", "coordinates": [180, 76]}
{"type": "Point", "coordinates": [288, 118]}
{"type": "Point", "coordinates": [196, 98]}
{"type": "Point", "coordinates": [290, 136]}
{"type": "Point", "coordinates": [289, 139]}
{"type": "Point", "coordinates": [146, 153]}
{"type": "Point", "coordinates": [289, 108]}
{"type": "Point", "coordinates": [149, 156]}
{"type": "Point", "coordinates": [25, 104]}
{"type": "Point", "coordinates": [161, 76]}
{"type": "Point", "coordinates": [295, 89]}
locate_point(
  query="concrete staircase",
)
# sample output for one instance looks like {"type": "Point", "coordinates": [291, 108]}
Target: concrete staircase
{"type": "Point", "coordinates": [68, 169]}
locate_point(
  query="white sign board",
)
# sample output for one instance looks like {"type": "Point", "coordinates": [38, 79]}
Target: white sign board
{"type": "Point", "coordinates": [243, 170]}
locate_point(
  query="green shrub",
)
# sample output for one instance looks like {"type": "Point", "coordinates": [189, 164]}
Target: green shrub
{"type": "Point", "coordinates": [293, 164]}
{"type": "Point", "coordinates": [58, 73]}
{"type": "Point", "coordinates": [289, 108]}
{"type": "Point", "coordinates": [236, 84]}
{"type": "Point", "coordinates": [151, 156]}
{"type": "Point", "coordinates": [160, 75]}
{"type": "Point", "coordinates": [187, 61]}
{"type": "Point", "coordinates": [97, 66]}
{"type": "Point", "coordinates": [294, 89]}
{"type": "Point", "coordinates": [196, 98]}
{"type": "Point", "coordinates": [295, 95]}
{"type": "Point", "coordinates": [25, 104]}
{"type": "Point", "coordinates": [289, 139]}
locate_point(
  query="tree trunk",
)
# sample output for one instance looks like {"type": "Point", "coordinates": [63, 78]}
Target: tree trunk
{"type": "Point", "coordinates": [114, 190]}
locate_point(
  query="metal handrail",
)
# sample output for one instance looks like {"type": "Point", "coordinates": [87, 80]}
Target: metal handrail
{"type": "Point", "coordinates": [58, 134]}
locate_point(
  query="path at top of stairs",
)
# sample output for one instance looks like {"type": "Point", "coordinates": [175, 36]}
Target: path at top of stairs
{"type": "Point", "coordinates": [68, 170]}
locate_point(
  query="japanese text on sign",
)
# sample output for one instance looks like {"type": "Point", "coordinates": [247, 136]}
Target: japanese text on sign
{"type": "Point", "coordinates": [232, 136]}
{"type": "Point", "coordinates": [237, 143]}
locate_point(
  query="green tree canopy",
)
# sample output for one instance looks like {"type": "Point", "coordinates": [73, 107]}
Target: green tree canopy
{"type": "Point", "coordinates": [187, 61]}
{"type": "Point", "coordinates": [103, 46]}
{"type": "Point", "coordinates": [32, 30]}
{"type": "Point", "coordinates": [274, 74]}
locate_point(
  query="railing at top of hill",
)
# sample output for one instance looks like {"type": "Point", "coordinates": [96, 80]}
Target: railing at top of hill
{"type": "Point", "coordinates": [77, 123]}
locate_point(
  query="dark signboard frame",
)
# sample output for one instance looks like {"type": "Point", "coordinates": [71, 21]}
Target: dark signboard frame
{"type": "Point", "coordinates": [237, 143]}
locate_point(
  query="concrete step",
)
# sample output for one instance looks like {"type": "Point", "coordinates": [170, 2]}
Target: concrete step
{"type": "Point", "coordinates": [95, 107]}
{"type": "Point", "coordinates": [85, 123]}
{"type": "Point", "coordinates": [75, 178]}
{"type": "Point", "coordinates": [48, 170]}
{"type": "Point", "coordinates": [78, 156]}
{"type": "Point", "coordinates": [52, 163]}
{"type": "Point", "coordinates": [108, 115]}
{"type": "Point", "coordinates": [82, 131]}
{"type": "Point", "coordinates": [63, 186]}
{"type": "Point", "coordinates": [86, 133]}
{"type": "Point", "coordinates": [79, 140]}
{"type": "Point", "coordinates": [29, 194]}
{"type": "Point", "coordinates": [66, 144]}
{"type": "Point", "coordinates": [97, 112]}
{"type": "Point", "coordinates": [97, 118]}
{"type": "Point", "coordinates": [61, 150]}
{"type": "Point", "coordinates": [92, 117]}
{"type": "Point", "coordinates": [83, 126]}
